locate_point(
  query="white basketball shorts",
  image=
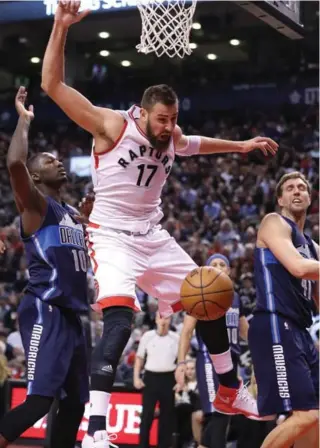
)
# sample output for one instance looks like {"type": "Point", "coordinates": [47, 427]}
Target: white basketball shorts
{"type": "Point", "coordinates": [155, 262]}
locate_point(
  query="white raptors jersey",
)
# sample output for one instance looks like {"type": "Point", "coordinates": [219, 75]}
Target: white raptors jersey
{"type": "Point", "coordinates": [128, 180]}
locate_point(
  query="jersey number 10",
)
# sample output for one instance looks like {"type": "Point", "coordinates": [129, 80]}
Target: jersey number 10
{"type": "Point", "coordinates": [233, 335]}
{"type": "Point", "coordinates": [80, 260]}
{"type": "Point", "coordinates": [307, 289]}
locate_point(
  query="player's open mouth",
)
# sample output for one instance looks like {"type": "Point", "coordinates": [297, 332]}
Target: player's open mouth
{"type": "Point", "coordinates": [297, 201]}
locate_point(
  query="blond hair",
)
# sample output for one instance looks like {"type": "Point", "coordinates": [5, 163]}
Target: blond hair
{"type": "Point", "coordinates": [289, 176]}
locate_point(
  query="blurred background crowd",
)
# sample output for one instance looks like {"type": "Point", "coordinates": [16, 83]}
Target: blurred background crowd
{"type": "Point", "coordinates": [268, 86]}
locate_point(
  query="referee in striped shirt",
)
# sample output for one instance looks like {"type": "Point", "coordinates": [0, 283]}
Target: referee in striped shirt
{"type": "Point", "coordinates": [157, 352]}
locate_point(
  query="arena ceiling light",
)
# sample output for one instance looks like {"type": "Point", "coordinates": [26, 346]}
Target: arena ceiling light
{"type": "Point", "coordinates": [212, 56]}
{"type": "Point", "coordinates": [126, 63]}
{"type": "Point", "coordinates": [104, 53]}
{"type": "Point", "coordinates": [196, 26]}
{"type": "Point", "coordinates": [104, 35]}
{"type": "Point", "coordinates": [234, 42]}
{"type": "Point", "coordinates": [35, 60]}
{"type": "Point", "coordinates": [193, 45]}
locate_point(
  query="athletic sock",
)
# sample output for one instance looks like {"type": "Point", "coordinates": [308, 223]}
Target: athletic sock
{"type": "Point", "coordinates": [99, 402]}
{"type": "Point", "coordinates": [225, 370]}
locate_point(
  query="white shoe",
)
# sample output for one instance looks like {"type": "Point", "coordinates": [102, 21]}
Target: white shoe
{"type": "Point", "coordinates": [101, 439]}
{"type": "Point", "coordinates": [237, 401]}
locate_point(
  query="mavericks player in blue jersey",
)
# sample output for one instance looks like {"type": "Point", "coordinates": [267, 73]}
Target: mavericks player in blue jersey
{"type": "Point", "coordinates": [286, 275]}
{"type": "Point", "coordinates": [215, 424]}
{"type": "Point", "coordinates": [56, 294]}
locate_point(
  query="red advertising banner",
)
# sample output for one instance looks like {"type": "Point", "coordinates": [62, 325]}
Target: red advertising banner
{"type": "Point", "coordinates": [123, 418]}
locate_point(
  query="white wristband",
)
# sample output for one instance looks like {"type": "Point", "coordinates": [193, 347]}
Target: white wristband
{"type": "Point", "coordinates": [194, 142]}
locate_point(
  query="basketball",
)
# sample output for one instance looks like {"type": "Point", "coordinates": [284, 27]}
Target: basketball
{"type": "Point", "coordinates": [207, 293]}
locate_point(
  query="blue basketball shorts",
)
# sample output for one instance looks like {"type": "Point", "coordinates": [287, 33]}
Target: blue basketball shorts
{"type": "Point", "coordinates": [286, 365]}
{"type": "Point", "coordinates": [55, 349]}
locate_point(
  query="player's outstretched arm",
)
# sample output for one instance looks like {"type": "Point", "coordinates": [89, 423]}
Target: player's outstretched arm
{"type": "Point", "coordinates": [189, 324]}
{"type": "Point", "coordinates": [192, 145]}
{"type": "Point", "coordinates": [275, 234]}
{"type": "Point", "coordinates": [75, 105]}
{"type": "Point", "coordinates": [27, 196]}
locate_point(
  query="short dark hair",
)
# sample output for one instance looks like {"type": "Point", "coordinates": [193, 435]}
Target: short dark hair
{"type": "Point", "coordinates": [33, 162]}
{"type": "Point", "coordinates": [161, 93]}
{"type": "Point", "coordinates": [289, 176]}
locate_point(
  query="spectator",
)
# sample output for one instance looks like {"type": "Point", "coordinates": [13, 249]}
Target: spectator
{"type": "Point", "coordinates": [249, 209]}
{"type": "Point", "coordinates": [158, 380]}
{"type": "Point", "coordinates": [227, 232]}
{"type": "Point", "coordinates": [14, 339]}
{"type": "Point", "coordinates": [185, 401]}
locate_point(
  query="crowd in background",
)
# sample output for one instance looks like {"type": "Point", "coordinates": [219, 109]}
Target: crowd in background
{"type": "Point", "coordinates": [211, 204]}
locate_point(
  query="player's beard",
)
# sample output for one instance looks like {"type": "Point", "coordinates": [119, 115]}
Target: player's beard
{"type": "Point", "coordinates": [161, 145]}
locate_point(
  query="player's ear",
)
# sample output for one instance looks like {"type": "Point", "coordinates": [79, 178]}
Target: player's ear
{"type": "Point", "coordinates": [144, 114]}
{"type": "Point", "coordinates": [309, 200]}
{"type": "Point", "coordinates": [35, 177]}
{"type": "Point", "coordinates": [280, 202]}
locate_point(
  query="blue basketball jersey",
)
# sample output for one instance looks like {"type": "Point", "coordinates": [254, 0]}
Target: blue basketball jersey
{"type": "Point", "coordinates": [57, 259]}
{"type": "Point", "coordinates": [277, 290]}
{"type": "Point", "coordinates": [232, 320]}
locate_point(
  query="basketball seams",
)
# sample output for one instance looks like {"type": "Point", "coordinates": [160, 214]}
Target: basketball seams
{"type": "Point", "coordinates": [207, 284]}
{"type": "Point", "coordinates": [202, 296]}
{"type": "Point", "coordinates": [212, 281]}
{"type": "Point", "coordinates": [218, 305]}
{"type": "Point", "coordinates": [187, 280]}
{"type": "Point", "coordinates": [202, 303]}
{"type": "Point", "coordinates": [207, 293]}
{"type": "Point", "coordinates": [209, 301]}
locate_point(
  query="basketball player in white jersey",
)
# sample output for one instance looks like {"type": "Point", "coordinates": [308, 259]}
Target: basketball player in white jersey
{"type": "Point", "coordinates": [131, 159]}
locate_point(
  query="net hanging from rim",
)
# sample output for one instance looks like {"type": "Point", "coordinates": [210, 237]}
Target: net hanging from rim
{"type": "Point", "coordinates": [166, 26]}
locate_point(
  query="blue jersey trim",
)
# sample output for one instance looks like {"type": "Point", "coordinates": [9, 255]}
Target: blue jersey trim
{"type": "Point", "coordinates": [29, 388]}
{"type": "Point", "coordinates": [39, 305]}
{"type": "Point", "coordinates": [39, 321]}
{"type": "Point", "coordinates": [46, 295]}
{"type": "Point", "coordinates": [270, 298]}
{"type": "Point", "coordinates": [287, 404]}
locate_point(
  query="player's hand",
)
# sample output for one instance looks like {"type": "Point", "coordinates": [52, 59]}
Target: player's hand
{"type": "Point", "coordinates": [86, 205]}
{"type": "Point", "coordinates": [2, 247]}
{"type": "Point", "coordinates": [265, 144]}
{"type": "Point", "coordinates": [20, 101]}
{"type": "Point", "coordinates": [180, 377]}
{"type": "Point", "coordinates": [138, 383]}
{"type": "Point", "coordinates": [67, 13]}
{"type": "Point", "coordinates": [85, 208]}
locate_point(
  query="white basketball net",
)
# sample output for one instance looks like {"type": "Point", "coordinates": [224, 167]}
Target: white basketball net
{"type": "Point", "coordinates": [166, 26]}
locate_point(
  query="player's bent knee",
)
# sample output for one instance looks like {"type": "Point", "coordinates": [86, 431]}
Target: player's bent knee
{"type": "Point", "coordinates": [22, 417]}
{"type": "Point", "coordinates": [307, 418]}
{"type": "Point", "coordinates": [116, 333]}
